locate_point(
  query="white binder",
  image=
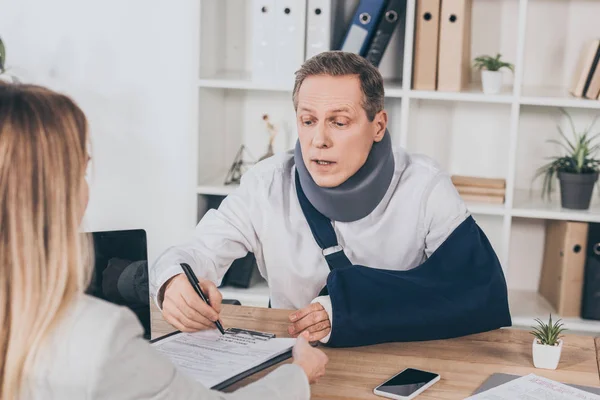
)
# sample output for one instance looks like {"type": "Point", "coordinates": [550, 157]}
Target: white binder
{"type": "Point", "coordinates": [290, 34]}
{"type": "Point", "coordinates": [264, 60]}
{"type": "Point", "coordinates": [318, 27]}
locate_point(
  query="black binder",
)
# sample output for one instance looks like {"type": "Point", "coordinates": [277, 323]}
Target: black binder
{"type": "Point", "coordinates": [590, 306]}
{"type": "Point", "coordinates": [393, 14]}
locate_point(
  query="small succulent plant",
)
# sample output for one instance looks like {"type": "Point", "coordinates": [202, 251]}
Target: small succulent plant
{"type": "Point", "coordinates": [548, 334]}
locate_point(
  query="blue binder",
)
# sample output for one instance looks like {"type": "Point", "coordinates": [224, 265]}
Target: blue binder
{"type": "Point", "coordinates": [394, 13]}
{"type": "Point", "coordinates": [363, 26]}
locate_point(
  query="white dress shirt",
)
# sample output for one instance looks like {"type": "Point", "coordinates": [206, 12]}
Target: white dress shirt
{"type": "Point", "coordinates": [420, 209]}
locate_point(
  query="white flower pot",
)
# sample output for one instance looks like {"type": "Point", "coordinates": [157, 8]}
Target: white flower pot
{"type": "Point", "coordinates": [545, 356]}
{"type": "Point", "coordinates": [491, 81]}
{"type": "Point", "coordinates": [6, 77]}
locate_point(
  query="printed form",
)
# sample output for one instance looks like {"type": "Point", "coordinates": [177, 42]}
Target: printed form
{"type": "Point", "coordinates": [533, 387]}
{"type": "Point", "coordinates": [212, 358]}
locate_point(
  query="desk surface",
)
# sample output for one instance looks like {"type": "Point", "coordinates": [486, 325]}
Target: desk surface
{"type": "Point", "coordinates": [463, 363]}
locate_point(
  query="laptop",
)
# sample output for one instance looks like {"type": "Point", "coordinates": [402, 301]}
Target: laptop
{"type": "Point", "coordinates": [121, 272]}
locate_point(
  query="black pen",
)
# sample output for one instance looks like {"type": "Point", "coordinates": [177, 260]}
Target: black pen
{"type": "Point", "coordinates": [194, 281]}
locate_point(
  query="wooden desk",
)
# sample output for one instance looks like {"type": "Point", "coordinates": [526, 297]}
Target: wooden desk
{"type": "Point", "coordinates": [463, 363]}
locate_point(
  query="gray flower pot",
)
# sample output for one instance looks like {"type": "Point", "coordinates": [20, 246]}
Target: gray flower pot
{"type": "Point", "coordinates": [576, 189]}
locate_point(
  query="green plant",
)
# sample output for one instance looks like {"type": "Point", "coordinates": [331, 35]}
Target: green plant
{"type": "Point", "coordinates": [579, 157]}
{"type": "Point", "coordinates": [549, 333]}
{"type": "Point", "coordinates": [492, 63]}
{"type": "Point", "coordinates": [2, 56]}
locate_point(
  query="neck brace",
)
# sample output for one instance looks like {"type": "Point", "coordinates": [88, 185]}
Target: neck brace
{"type": "Point", "coordinates": [358, 196]}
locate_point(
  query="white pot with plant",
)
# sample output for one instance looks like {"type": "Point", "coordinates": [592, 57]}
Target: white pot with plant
{"type": "Point", "coordinates": [491, 72]}
{"type": "Point", "coordinates": [577, 170]}
{"type": "Point", "coordinates": [4, 75]}
{"type": "Point", "coordinates": [547, 344]}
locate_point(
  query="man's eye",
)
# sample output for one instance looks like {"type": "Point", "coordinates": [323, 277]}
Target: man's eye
{"type": "Point", "coordinates": [339, 124]}
{"type": "Point", "coordinates": [307, 123]}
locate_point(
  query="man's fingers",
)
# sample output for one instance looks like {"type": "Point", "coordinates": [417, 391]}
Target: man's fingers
{"type": "Point", "coordinates": [194, 301]}
{"type": "Point", "coordinates": [193, 314]}
{"type": "Point", "coordinates": [176, 323]}
{"type": "Point", "coordinates": [316, 336]}
{"type": "Point", "coordinates": [214, 296]}
{"type": "Point", "coordinates": [319, 326]}
{"type": "Point", "coordinates": [309, 320]}
{"type": "Point", "coordinates": [189, 323]}
{"type": "Point", "coordinates": [305, 311]}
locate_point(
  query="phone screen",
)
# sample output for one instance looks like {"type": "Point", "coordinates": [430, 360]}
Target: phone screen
{"type": "Point", "coordinates": [407, 382]}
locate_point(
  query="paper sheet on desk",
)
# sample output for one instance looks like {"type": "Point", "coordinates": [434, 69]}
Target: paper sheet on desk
{"type": "Point", "coordinates": [533, 387]}
{"type": "Point", "coordinates": [212, 358]}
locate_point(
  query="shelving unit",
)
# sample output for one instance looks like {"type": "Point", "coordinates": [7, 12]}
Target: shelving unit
{"type": "Point", "coordinates": [468, 132]}
{"type": "Point", "coordinates": [255, 296]}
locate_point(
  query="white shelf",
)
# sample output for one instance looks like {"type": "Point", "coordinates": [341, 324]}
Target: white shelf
{"type": "Point", "coordinates": [473, 93]}
{"type": "Point", "coordinates": [531, 95]}
{"type": "Point", "coordinates": [486, 209]}
{"type": "Point", "coordinates": [256, 295]}
{"type": "Point", "coordinates": [393, 89]}
{"type": "Point", "coordinates": [554, 97]}
{"type": "Point", "coordinates": [528, 205]}
{"type": "Point", "coordinates": [526, 306]}
{"type": "Point", "coordinates": [216, 186]}
{"type": "Point", "coordinates": [241, 80]}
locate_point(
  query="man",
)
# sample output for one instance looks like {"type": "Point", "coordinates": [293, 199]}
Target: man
{"type": "Point", "coordinates": [390, 212]}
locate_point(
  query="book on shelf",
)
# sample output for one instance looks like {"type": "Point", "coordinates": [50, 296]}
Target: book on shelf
{"type": "Point", "coordinates": [482, 198]}
{"type": "Point", "coordinates": [584, 80]}
{"type": "Point", "coordinates": [477, 181]}
{"type": "Point", "coordinates": [480, 189]}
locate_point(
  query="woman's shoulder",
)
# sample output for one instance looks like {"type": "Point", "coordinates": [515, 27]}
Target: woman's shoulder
{"type": "Point", "coordinates": [79, 342]}
{"type": "Point", "coordinates": [96, 319]}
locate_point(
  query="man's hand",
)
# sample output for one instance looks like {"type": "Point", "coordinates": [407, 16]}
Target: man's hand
{"type": "Point", "coordinates": [185, 310]}
{"type": "Point", "coordinates": [312, 318]}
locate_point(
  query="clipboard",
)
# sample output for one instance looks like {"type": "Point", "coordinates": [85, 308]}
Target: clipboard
{"type": "Point", "coordinates": [252, 371]}
{"type": "Point", "coordinates": [248, 372]}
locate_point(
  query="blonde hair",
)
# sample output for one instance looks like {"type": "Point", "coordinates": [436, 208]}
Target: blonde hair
{"type": "Point", "coordinates": [44, 259]}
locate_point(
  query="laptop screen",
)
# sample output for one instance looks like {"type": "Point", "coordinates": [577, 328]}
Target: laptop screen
{"type": "Point", "coordinates": [121, 272]}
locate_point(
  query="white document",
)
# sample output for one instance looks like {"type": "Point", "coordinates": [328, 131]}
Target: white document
{"type": "Point", "coordinates": [211, 358]}
{"type": "Point", "coordinates": [318, 27]}
{"type": "Point", "coordinates": [533, 387]}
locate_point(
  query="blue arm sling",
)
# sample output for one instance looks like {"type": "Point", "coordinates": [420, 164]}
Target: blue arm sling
{"type": "Point", "coordinates": [459, 290]}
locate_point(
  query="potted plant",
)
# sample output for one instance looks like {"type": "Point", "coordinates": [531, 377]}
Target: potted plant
{"type": "Point", "coordinates": [491, 74]}
{"type": "Point", "coordinates": [577, 170]}
{"type": "Point", "coordinates": [4, 75]}
{"type": "Point", "coordinates": [547, 344]}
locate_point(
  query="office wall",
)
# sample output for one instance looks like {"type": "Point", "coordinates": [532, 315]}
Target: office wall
{"type": "Point", "coordinates": [131, 66]}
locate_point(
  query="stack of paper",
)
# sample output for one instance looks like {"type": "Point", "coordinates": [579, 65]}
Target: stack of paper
{"type": "Point", "coordinates": [533, 387]}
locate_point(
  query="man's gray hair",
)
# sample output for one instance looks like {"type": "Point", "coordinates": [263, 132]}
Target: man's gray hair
{"type": "Point", "coordinates": [339, 63]}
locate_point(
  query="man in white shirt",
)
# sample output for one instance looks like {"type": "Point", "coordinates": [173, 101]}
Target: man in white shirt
{"type": "Point", "coordinates": [389, 210]}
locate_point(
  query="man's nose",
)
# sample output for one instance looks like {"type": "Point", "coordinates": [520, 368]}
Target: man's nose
{"type": "Point", "coordinates": [321, 138]}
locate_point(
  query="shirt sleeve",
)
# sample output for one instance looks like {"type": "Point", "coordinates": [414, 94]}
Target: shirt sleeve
{"type": "Point", "coordinates": [132, 369]}
{"type": "Point", "coordinates": [222, 236]}
{"type": "Point", "coordinates": [444, 210]}
{"type": "Point", "coordinates": [325, 301]}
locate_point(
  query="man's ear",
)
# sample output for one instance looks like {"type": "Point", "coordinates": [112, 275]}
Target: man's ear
{"type": "Point", "coordinates": [380, 124]}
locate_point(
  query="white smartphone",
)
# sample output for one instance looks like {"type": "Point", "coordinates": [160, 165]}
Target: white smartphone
{"type": "Point", "coordinates": [407, 384]}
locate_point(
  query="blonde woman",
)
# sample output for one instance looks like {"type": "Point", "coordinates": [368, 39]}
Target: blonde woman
{"type": "Point", "coordinates": [56, 342]}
